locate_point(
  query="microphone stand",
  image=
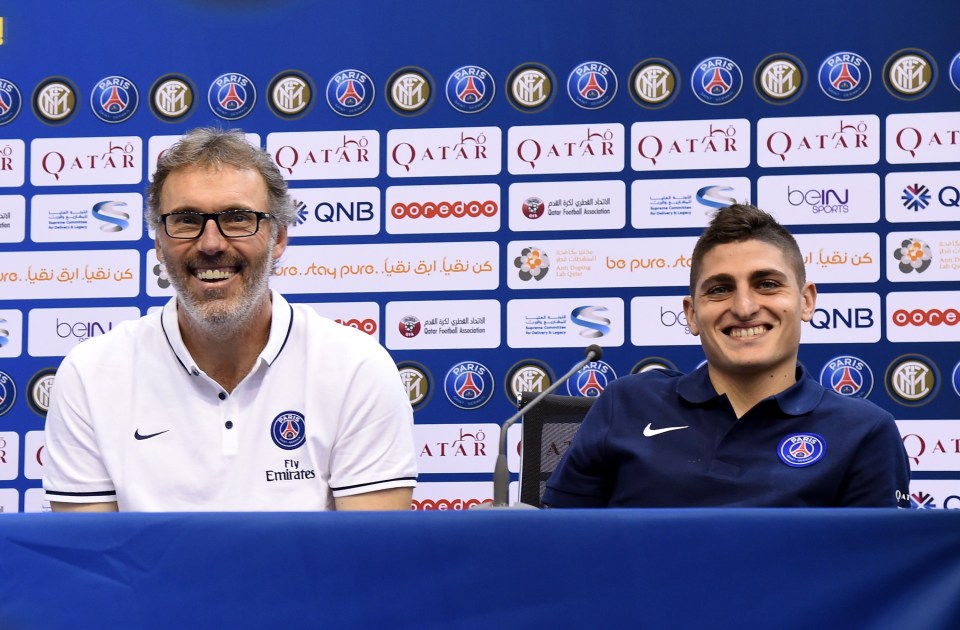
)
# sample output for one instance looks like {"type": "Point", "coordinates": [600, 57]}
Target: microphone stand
{"type": "Point", "coordinates": [501, 475]}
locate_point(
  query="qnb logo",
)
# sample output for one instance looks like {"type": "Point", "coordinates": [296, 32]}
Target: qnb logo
{"type": "Point", "coordinates": [916, 197]}
{"type": "Point", "coordinates": [114, 219]}
{"type": "Point", "coordinates": [81, 330]}
{"type": "Point", "coordinates": [716, 196]}
{"type": "Point", "coordinates": [444, 209]}
{"type": "Point", "coordinates": [327, 212]}
{"type": "Point", "coordinates": [820, 200]}
{"type": "Point", "coordinates": [835, 319]}
{"type": "Point", "coordinates": [922, 501]}
{"type": "Point", "coordinates": [930, 317]}
{"type": "Point", "coordinates": [592, 322]}
{"type": "Point", "coordinates": [446, 504]}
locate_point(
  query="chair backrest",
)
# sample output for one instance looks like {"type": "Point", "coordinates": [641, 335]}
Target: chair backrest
{"type": "Point", "coordinates": [547, 432]}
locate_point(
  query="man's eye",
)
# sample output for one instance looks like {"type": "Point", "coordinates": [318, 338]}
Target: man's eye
{"type": "Point", "coordinates": [716, 290]}
{"type": "Point", "coordinates": [185, 219]}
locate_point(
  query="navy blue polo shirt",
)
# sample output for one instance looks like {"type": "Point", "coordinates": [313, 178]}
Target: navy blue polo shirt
{"type": "Point", "coordinates": [664, 439]}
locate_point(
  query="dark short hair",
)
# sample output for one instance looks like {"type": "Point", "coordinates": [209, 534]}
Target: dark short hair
{"type": "Point", "coordinates": [745, 222]}
{"type": "Point", "coordinates": [212, 147]}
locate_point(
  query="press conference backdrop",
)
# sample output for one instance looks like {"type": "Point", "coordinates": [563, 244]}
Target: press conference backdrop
{"type": "Point", "coordinates": [487, 189]}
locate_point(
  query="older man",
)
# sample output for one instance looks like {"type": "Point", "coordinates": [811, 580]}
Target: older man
{"type": "Point", "coordinates": [230, 398]}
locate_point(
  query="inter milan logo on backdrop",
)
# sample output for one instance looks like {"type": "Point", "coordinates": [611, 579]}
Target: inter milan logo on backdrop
{"type": "Point", "coordinates": [910, 74]}
{"type": "Point", "coordinates": [350, 92]}
{"type": "Point", "coordinates": [172, 97]}
{"type": "Point", "coordinates": [290, 94]}
{"type": "Point", "coordinates": [470, 89]}
{"type": "Point", "coordinates": [288, 430]}
{"type": "Point", "coordinates": [114, 99]}
{"type": "Point", "coordinates": [844, 76]}
{"type": "Point", "coordinates": [780, 79]}
{"type": "Point", "coordinates": [468, 385]}
{"type": "Point", "coordinates": [716, 80]}
{"type": "Point", "coordinates": [848, 376]}
{"type": "Point", "coordinates": [10, 101]}
{"type": "Point", "coordinates": [55, 101]}
{"type": "Point", "coordinates": [530, 87]}
{"type": "Point", "coordinates": [232, 96]}
{"type": "Point", "coordinates": [409, 91]}
{"type": "Point", "coordinates": [592, 85]}
{"type": "Point", "coordinates": [654, 83]}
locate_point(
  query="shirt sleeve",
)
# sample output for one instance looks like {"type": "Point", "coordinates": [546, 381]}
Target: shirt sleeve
{"type": "Point", "coordinates": [73, 469]}
{"type": "Point", "coordinates": [374, 447]}
{"type": "Point", "coordinates": [581, 479]}
{"type": "Point", "coordinates": [879, 475]}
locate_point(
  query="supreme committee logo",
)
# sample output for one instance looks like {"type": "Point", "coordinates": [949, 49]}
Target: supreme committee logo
{"type": "Point", "coordinates": [55, 100]}
{"type": "Point", "coordinates": [38, 391]}
{"type": "Point", "coordinates": [532, 263]}
{"type": "Point", "coordinates": [417, 381]}
{"type": "Point", "coordinates": [592, 85]}
{"type": "Point", "coordinates": [914, 255]}
{"type": "Point", "coordinates": [350, 92]}
{"type": "Point", "coordinates": [654, 83]}
{"type": "Point", "coordinates": [844, 76]}
{"type": "Point", "coordinates": [468, 385]}
{"type": "Point", "coordinates": [848, 376]}
{"type": "Point", "coordinates": [172, 97]}
{"type": "Point", "coordinates": [288, 430]}
{"type": "Point", "coordinates": [716, 80]}
{"type": "Point", "coordinates": [912, 380]}
{"type": "Point", "coordinates": [470, 89]}
{"type": "Point", "coordinates": [910, 74]}
{"type": "Point", "coordinates": [409, 91]}
{"type": "Point", "coordinates": [231, 96]}
{"type": "Point", "coordinates": [110, 215]}
{"type": "Point", "coordinates": [290, 94]}
{"type": "Point", "coordinates": [114, 99]}
{"type": "Point", "coordinates": [780, 79]}
{"type": "Point", "coordinates": [10, 101]}
{"type": "Point", "coordinates": [530, 87]}
{"type": "Point", "coordinates": [801, 449]}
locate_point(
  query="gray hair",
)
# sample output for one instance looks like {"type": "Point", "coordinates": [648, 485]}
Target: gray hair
{"type": "Point", "coordinates": [212, 147]}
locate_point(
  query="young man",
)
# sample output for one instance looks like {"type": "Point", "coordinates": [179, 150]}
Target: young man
{"type": "Point", "coordinates": [750, 427]}
{"type": "Point", "coordinates": [230, 398]}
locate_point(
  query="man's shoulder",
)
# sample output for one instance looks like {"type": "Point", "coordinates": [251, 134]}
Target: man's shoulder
{"type": "Point", "coordinates": [851, 408]}
{"type": "Point", "coordinates": [121, 339]}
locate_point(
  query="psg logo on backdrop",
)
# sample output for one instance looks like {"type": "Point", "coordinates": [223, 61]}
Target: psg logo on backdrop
{"type": "Point", "coordinates": [232, 96]}
{"type": "Point", "coordinates": [288, 430]}
{"type": "Point", "coordinates": [10, 101]}
{"type": "Point", "coordinates": [470, 89]}
{"type": "Point", "coordinates": [848, 376]}
{"type": "Point", "coordinates": [844, 76]}
{"type": "Point", "coordinates": [716, 80]}
{"type": "Point", "coordinates": [350, 92]}
{"type": "Point", "coordinates": [592, 85]}
{"type": "Point", "coordinates": [114, 99]}
{"type": "Point", "coordinates": [8, 393]}
{"type": "Point", "coordinates": [801, 449]}
{"type": "Point", "coordinates": [468, 385]}
{"type": "Point", "coordinates": [591, 380]}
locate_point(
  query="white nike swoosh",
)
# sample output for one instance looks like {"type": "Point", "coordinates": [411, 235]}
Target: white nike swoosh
{"type": "Point", "coordinates": [649, 431]}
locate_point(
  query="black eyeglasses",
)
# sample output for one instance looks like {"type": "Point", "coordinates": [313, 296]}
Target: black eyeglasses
{"type": "Point", "coordinates": [231, 223]}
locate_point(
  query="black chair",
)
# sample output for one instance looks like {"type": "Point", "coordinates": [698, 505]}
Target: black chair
{"type": "Point", "coordinates": [547, 432]}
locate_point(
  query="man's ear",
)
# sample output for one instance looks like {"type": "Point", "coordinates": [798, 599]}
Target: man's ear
{"type": "Point", "coordinates": [808, 301]}
{"type": "Point", "coordinates": [691, 316]}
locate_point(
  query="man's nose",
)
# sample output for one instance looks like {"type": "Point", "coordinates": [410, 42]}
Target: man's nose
{"type": "Point", "coordinates": [744, 303]}
{"type": "Point", "coordinates": [211, 241]}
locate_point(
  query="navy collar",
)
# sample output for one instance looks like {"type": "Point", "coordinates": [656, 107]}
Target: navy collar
{"type": "Point", "coordinates": [800, 398]}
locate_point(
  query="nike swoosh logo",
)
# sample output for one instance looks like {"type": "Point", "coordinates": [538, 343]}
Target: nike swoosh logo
{"type": "Point", "coordinates": [137, 434]}
{"type": "Point", "coordinates": [649, 431]}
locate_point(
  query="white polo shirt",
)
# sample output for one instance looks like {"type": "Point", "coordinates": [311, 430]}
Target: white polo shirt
{"type": "Point", "coordinates": [322, 414]}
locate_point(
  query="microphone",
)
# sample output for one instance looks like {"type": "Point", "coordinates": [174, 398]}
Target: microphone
{"type": "Point", "coordinates": [501, 476]}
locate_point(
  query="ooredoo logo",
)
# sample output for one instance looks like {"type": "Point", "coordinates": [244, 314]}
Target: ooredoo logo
{"type": "Point", "coordinates": [445, 209]}
{"type": "Point", "coordinates": [926, 317]}
{"type": "Point", "coordinates": [446, 504]}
